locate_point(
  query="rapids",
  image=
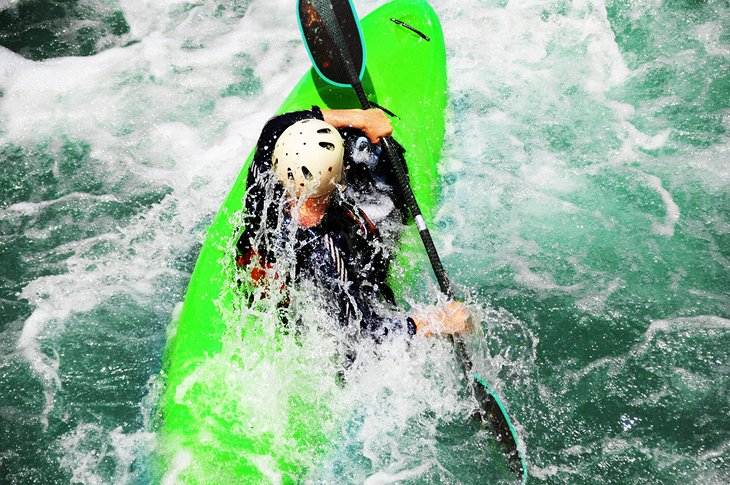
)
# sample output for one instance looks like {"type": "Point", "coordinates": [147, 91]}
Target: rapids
{"type": "Point", "coordinates": [585, 215]}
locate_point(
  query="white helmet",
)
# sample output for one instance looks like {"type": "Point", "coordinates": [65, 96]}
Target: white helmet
{"type": "Point", "coordinates": [307, 158]}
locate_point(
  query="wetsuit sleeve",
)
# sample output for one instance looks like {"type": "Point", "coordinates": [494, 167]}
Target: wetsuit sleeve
{"type": "Point", "coordinates": [259, 182]}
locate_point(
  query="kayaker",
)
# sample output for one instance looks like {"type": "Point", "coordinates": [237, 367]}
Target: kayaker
{"type": "Point", "coordinates": [299, 189]}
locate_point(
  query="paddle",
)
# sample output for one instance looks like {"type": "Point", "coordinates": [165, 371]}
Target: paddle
{"type": "Point", "coordinates": [332, 34]}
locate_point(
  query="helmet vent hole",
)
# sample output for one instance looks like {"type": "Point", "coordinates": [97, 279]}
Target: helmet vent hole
{"type": "Point", "coordinates": [329, 146]}
{"type": "Point", "coordinates": [330, 169]}
{"type": "Point", "coordinates": [307, 174]}
{"type": "Point", "coordinates": [324, 131]}
{"type": "Point", "coordinates": [289, 174]}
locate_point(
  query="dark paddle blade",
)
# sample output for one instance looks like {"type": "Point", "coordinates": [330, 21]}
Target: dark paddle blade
{"type": "Point", "coordinates": [492, 412]}
{"type": "Point", "coordinates": [324, 51]}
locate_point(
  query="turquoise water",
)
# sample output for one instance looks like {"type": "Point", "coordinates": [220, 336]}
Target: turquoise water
{"type": "Point", "coordinates": [585, 213]}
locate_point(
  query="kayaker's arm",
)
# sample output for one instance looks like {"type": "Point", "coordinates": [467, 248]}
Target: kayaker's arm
{"type": "Point", "coordinates": [373, 122]}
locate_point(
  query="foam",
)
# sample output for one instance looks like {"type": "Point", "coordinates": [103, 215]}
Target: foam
{"type": "Point", "coordinates": [672, 209]}
{"type": "Point", "coordinates": [44, 366]}
{"type": "Point", "coordinates": [180, 462]}
{"type": "Point", "coordinates": [381, 478]}
{"type": "Point", "coordinates": [33, 208]}
{"type": "Point", "coordinates": [5, 4]}
{"type": "Point", "coordinates": [595, 302]}
{"type": "Point", "coordinates": [90, 98]}
{"type": "Point", "coordinates": [153, 116]}
{"type": "Point", "coordinates": [89, 448]}
{"type": "Point", "coordinates": [706, 322]}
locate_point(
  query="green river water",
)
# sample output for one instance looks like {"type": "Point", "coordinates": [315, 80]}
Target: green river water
{"type": "Point", "coordinates": [585, 213]}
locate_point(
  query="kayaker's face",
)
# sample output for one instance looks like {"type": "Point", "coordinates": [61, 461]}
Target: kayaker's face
{"type": "Point", "coordinates": [310, 211]}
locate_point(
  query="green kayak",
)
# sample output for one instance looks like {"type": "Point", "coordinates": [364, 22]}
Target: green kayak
{"type": "Point", "coordinates": [243, 401]}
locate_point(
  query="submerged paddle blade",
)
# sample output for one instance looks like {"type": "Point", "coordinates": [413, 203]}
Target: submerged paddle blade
{"type": "Point", "coordinates": [323, 49]}
{"type": "Point", "coordinates": [493, 411]}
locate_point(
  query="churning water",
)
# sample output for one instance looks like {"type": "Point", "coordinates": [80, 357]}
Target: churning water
{"type": "Point", "coordinates": [585, 211]}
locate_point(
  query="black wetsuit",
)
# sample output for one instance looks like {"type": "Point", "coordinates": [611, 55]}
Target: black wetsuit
{"type": "Point", "coordinates": [344, 253]}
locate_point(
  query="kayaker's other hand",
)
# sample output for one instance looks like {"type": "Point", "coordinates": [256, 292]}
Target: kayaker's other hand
{"type": "Point", "coordinates": [451, 319]}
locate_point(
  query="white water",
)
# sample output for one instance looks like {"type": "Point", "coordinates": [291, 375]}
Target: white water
{"type": "Point", "coordinates": [165, 146]}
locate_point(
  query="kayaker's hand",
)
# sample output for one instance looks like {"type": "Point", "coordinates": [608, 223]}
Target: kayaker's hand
{"type": "Point", "coordinates": [373, 122]}
{"type": "Point", "coordinates": [452, 319]}
{"type": "Point", "coordinates": [376, 125]}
